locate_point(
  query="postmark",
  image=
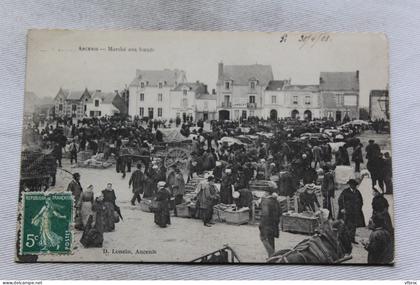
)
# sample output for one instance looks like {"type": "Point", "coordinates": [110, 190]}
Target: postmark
{"type": "Point", "coordinates": [47, 223]}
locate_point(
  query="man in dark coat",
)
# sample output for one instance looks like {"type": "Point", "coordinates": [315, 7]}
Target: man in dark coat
{"type": "Point", "coordinates": [269, 224]}
{"type": "Point", "coordinates": [226, 187]}
{"type": "Point", "coordinates": [350, 205]}
{"type": "Point", "coordinates": [380, 246]}
{"type": "Point", "coordinates": [57, 153]}
{"type": "Point", "coordinates": [75, 188]}
{"type": "Point", "coordinates": [137, 180]}
{"type": "Point", "coordinates": [328, 190]}
{"type": "Point", "coordinates": [357, 157]}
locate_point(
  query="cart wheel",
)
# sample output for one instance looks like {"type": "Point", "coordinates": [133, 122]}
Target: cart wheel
{"type": "Point", "coordinates": [177, 156]}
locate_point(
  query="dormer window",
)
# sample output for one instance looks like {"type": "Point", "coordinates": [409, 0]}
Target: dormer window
{"type": "Point", "coordinates": [185, 91]}
{"type": "Point", "coordinates": [227, 85]}
{"type": "Point", "coordinates": [160, 85]}
{"type": "Point", "coordinates": [252, 85]}
{"type": "Point", "coordinates": [141, 84]}
{"type": "Point", "coordinates": [96, 103]}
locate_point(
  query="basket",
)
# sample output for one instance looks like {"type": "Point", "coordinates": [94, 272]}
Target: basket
{"type": "Point", "coordinates": [239, 217]}
{"type": "Point", "coordinates": [183, 211]}
{"type": "Point", "coordinates": [145, 205]}
{"type": "Point", "coordinates": [299, 224]}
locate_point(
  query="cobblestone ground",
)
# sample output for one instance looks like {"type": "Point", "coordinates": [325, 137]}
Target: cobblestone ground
{"type": "Point", "coordinates": [137, 238]}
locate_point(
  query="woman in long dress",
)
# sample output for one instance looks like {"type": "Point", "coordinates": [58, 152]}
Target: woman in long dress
{"type": "Point", "coordinates": [162, 215]}
{"type": "Point", "coordinates": [85, 205]}
{"type": "Point", "coordinates": [48, 238]}
{"type": "Point", "coordinates": [109, 208]}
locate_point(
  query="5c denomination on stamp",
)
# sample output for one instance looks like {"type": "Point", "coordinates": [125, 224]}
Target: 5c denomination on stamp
{"type": "Point", "coordinates": [46, 224]}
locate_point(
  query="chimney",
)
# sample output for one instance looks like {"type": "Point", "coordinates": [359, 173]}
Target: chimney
{"type": "Point", "coordinates": [220, 73]}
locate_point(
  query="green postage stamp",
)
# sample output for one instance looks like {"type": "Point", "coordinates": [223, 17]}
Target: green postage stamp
{"type": "Point", "coordinates": [46, 223]}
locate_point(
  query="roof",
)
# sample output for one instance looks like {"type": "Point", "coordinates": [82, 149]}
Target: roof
{"type": "Point", "coordinates": [106, 97]}
{"type": "Point", "coordinates": [307, 88]}
{"type": "Point", "coordinates": [206, 97]}
{"type": "Point", "coordinates": [153, 77]}
{"type": "Point", "coordinates": [379, 93]}
{"type": "Point", "coordinates": [275, 85]}
{"type": "Point", "coordinates": [110, 98]}
{"type": "Point", "coordinates": [198, 88]}
{"type": "Point", "coordinates": [76, 95]}
{"type": "Point", "coordinates": [242, 74]}
{"type": "Point", "coordinates": [339, 81]}
{"type": "Point", "coordinates": [72, 94]}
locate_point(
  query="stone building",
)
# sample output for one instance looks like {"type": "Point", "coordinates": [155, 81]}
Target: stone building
{"type": "Point", "coordinates": [150, 92]}
{"type": "Point", "coordinates": [71, 103]}
{"type": "Point", "coordinates": [240, 90]}
{"type": "Point", "coordinates": [339, 95]}
{"type": "Point", "coordinates": [192, 100]}
{"type": "Point", "coordinates": [105, 104]}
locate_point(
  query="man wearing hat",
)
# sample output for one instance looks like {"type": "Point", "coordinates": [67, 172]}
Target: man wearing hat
{"type": "Point", "coordinates": [350, 205]}
{"type": "Point", "coordinates": [75, 188]}
{"type": "Point", "coordinates": [270, 219]}
{"type": "Point", "coordinates": [137, 180]}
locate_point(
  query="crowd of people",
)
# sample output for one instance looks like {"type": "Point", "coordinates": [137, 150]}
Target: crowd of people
{"type": "Point", "coordinates": [266, 150]}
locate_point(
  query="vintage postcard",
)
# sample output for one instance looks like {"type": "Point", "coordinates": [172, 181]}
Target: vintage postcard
{"type": "Point", "coordinates": [206, 147]}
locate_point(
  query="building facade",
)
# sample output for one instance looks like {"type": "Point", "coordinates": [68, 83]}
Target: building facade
{"type": "Point", "coordinates": [150, 92]}
{"type": "Point", "coordinates": [379, 105]}
{"type": "Point", "coordinates": [105, 104]}
{"type": "Point", "coordinates": [240, 90]}
{"type": "Point", "coordinates": [70, 103]}
{"type": "Point", "coordinates": [192, 100]}
{"type": "Point", "coordinates": [339, 95]}
{"type": "Point", "coordinates": [283, 100]}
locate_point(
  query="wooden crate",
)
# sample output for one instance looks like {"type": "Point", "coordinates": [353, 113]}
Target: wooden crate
{"type": "Point", "coordinates": [237, 217]}
{"type": "Point", "coordinates": [299, 224]}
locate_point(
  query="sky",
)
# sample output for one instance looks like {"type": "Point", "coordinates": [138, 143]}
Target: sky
{"type": "Point", "coordinates": [61, 58]}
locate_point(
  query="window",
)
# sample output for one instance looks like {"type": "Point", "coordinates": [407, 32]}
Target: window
{"type": "Point", "coordinates": [339, 98]}
{"type": "Point", "coordinates": [141, 112]}
{"type": "Point", "coordinates": [74, 107]}
{"type": "Point", "coordinates": [147, 83]}
{"type": "Point", "coordinates": [159, 112]}
{"type": "Point", "coordinates": [251, 113]}
{"type": "Point", "coordinates": [99, 113]}
{"type": "Point", "coordinates": [60, 107]}
{"type": "Point", "coordinates": [295, 100]}
{"type": "Point", "coordinates": [274, 99]}
{"type": "Point", "coordinates": [185, 91]}
{"type": "Point", "coordinates": [142, 85]}
{"type": "Point", "coordinates": [164, 82]}
{"type": "Point", "coordinates": [150, 113]}
{"type": "Point", "coordinates": [251, 99]}
{"type": "Point", "coordinates": [227, 85]}
{"type": "Point", "coordinates": [243, 114]}
{"type": "Point", "coordinates": [185, 103]}
{"type": "Point", "coordinates": [91, 113]}
{"type": "Point", "coordinates": [85, 108]}
{"type": "Point", "coordinates": [307, 100]}
{"type": "Point", "coordinates": [206, 105]}
{"type": "Point", "coordinates": [160, 97]}
{"type": "Point", "coordinates": [96, 103]}
{"type": "Point", "coordinates": [160, 84]}
{"type": "Point", "coordinates": [141, 96]}
{"type": "Point", "coordinates": [252, 85]}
